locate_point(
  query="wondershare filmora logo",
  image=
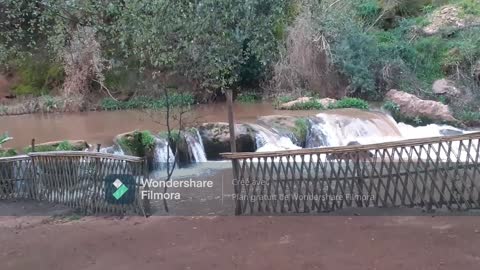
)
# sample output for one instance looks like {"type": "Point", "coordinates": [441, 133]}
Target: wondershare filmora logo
{"type": "Point", "coordinates": [120, 188]}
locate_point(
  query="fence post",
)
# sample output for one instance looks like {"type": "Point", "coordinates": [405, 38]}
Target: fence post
{"type": "Point", "coordinates": [233, 149]}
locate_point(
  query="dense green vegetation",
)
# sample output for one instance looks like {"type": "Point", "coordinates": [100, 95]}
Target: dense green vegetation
{"type": "Point", "coordinates": [138, 143]}
{"type": "Point", "coordinates": [284, 46]}
{"type": "Point", "coordinates": [344, 103]}
{"type": "Point", "coordinates": [174, 100]}
{"type": "Point", "coordinates": [62, 146]}
{"type": "Point", "coordinates": [9, 152]}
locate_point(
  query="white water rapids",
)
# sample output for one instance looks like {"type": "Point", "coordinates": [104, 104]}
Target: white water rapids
{"type": "Point", "coordinates": [328, 129]}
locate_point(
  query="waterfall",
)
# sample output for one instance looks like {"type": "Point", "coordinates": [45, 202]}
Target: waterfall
{"type": "Point", "coordinates": [114, 150]}
{"type": "Point", "coordinates": [163, 153]}
{"type": "Point", "coordinates": [339, 128]}
{"type": "Point", "coordinates": [267, 140]}
{"type": "Point", "coordinates": [195, 146]}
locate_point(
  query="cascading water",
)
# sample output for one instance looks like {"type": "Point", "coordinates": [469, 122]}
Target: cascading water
{"type": "Point", "coordinates": [195, 146]}
{"type": "Point", "coordinates": [163, 153]}
{"type": "Point", "coordinates": [341, 127]}
{"type": "Point", "coordinates": [114, 150]}
{"type": "Point", "coordinates": [268, 140]}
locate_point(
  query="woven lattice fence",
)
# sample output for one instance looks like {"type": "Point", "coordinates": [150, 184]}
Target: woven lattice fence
{"type": "Point", "coordinates": [432, 173]}
{"type": "Point", "coordinates": [15, 178]}
{"type": "Point", "coordinates": [76, 179]}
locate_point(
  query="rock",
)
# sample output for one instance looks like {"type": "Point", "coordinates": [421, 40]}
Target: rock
{"type": "Point", "coordinates": [132, 144]}
{"type": "Point", "coordinates": [413, 107]}
{"type": "Point", "coordinates": [296, 128]}
{"type": "Point", "coordinates": [78, 145]}
{"type": "Point", "coordinates": [449, 17]}
{"type": "Point", "coordinates": [446, 88]}
{"type": "Point", "coordinates": [450, 132]}
{"type": "Point", "coordinates": [216, 139]}
{"type": "Point", "coordinates": [327, 101]}
{"type": "Point", "coordinates": [359, 155]}
{"type": "Point", "coordinates": [289, 105]}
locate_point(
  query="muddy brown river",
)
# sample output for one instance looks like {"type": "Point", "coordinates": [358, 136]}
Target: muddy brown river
{"type": "Point", "coordinates": [102, 126]}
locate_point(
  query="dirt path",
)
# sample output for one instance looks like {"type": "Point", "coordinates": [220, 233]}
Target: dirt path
{"type": "Point", "coordinates": [339, 243]}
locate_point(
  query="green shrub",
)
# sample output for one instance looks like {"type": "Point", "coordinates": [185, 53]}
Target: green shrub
{"type": "Point", "coordinates": [174, 135]}
{"type": "Point", "coordinates": [62, 146]}
{"type": "Point", "coordinates": [469, 117]}
{"type": "Point", "coordinates": [38, 77]}
{"type": "Point", "coordinates": [249, 97]}
{"type": "Point", "coordinates": [175, 100]}
{"type": "Point", "coordinates": [301, 129]}
{"type": "Point", "coordinates": [139, 143]}
{"type": "Point", "coordinates": [470, 7]}
{"type": "Point", "coordinates": [312, 104]}
{"type": "Point", "coordinates": [8, 153]}
{"type": "Point", "coordinates": [65, 146]}
{"type": "Point", "coordinates": [350, 103]}
{"type": "Point", "coordinates": [281, 100]}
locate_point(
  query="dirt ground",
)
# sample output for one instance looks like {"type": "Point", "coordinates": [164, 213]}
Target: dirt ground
{"type": "Point", "coordinates": [338, 243]}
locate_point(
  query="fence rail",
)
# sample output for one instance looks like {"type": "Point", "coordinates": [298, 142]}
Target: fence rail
{"type": "Point", "coordinates": [440, 172]}
{"type": "Point", "coordinates": [76, 179]}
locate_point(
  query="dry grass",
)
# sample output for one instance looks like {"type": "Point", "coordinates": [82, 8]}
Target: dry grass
{"type": "Point", "coordinates": [305, 65]}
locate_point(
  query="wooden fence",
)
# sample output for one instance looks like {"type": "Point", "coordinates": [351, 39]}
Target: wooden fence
{"type": "Point", "coordinates": [76, 179]}
{"type": "Point", "coordinates": [438, 172]}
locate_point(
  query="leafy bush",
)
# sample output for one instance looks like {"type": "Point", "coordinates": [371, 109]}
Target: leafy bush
{"type": "Point", "coordinates": [4, 138]}
{"type": "Point", "coordinates": [174, 100]}
{"type": "Point", "coordinates": [312, 104]}
{"type": "Point", "coordinates": [350, 103]}
{"type": "Point", "coordinates": [469, 118]}
{"type": "Point", "coordinates": [301, 129]}
{"type": "Point", "coordinates": [8, 153]}
{"type": "Point", "coordinates": [38, 77]}
{"type": "Point", "coordinates": [249, 97]}
{"type": "Point", "coordinates": [62, 146]}
{"type": "Point", "coordinates": [139, 143]}
{"type": "Point", "coordinates": [65, 146]}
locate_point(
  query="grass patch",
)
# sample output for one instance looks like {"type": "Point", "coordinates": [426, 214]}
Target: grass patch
{"type": "Point", "coordinates": [63, 146]}
{"type": "Point", "coordinates": [139, 143]}
{"type": "Point", "coordinates": [312, 104]}
{"type": "Point", "coordinates": [175, 100]}
{"type": "Point", "coordinates": [249, 97]}
{"type": "Point", "coordinates": [469, 118]}
{"type": "Point", "coordinates": [301, 129]}
{"type": "Point", "coordinates": [8, 153]}
{"type": "Point", "coordinates": [38, 77]}
{"type": "Point", "coordinates": [355, 103]}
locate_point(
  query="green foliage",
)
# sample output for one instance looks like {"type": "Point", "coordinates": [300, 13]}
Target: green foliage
{"type": "Point", "coordinates": [4, 138]}
{"type": "Point", "coordinates": [37, 77]}
{"type": "Point", "coordinates": [174, 135]}
{"type": "Point", "coordinates": [139, 143]}
{"type": "Point", "coordinates": [469, 118]}
{"type": "Point", "coordinates": [65, 146]}
{"type": "Point", "coordinates": [301, 128]}
{"type": "Point", "coordinates": [249, 97]}
{"type": "Point", "coordinates": [312, 104]}
{"type": "Point", "coordinates": [349, 103]}
{"type": "Point", "coordinates": [174, 100]}
{"type": "Point", "coordinates": [469, 7]}
{"type": "Point", "coordinates": [8, 153]}
{"type": "Point", "coordinates": [62, 146]}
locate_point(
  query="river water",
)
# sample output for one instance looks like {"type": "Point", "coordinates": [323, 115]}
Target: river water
{"type": "Point", "coordinates": [331, 128]}
{"type": "Point", "coordinates": [101, 126]}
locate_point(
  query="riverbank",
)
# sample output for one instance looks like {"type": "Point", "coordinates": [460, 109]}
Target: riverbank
{"type": "Point", "coordinates": [396, 243]}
